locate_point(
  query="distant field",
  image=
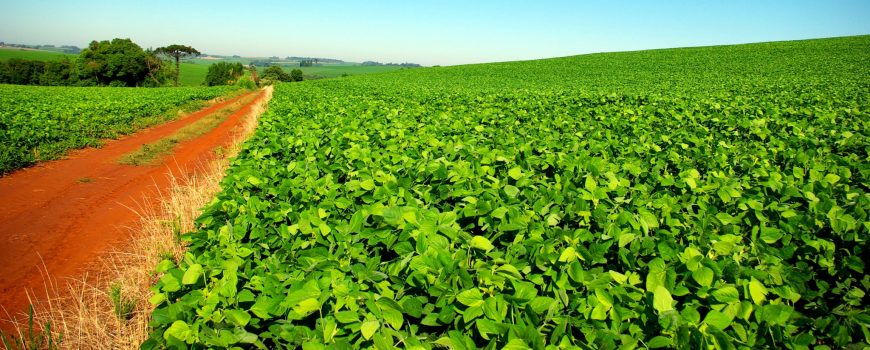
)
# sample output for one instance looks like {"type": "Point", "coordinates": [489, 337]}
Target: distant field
{"type": "Point", "coordinates": [192, 74]}
{"type": "Point", "coordinates": [332, 71]}
{"type": "Point", "coordinates": [7, 53]}
{"type": "Point", "coordinates": [336, 70]}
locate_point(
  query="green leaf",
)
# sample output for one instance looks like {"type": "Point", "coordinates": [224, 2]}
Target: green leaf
{"type": "Point", "coordinates": [725, 218]}
{"type": "Point", "coordinates": [717, 319]}
{"type": "Point", "coordinates": [516, 344]}
{"type": "Point", "coordinates": [480, 242]}
{"type": "Point", "coordinates": [704, 276]}
{"type": "Point", "coordinates": [568, 255]}
{"type": "Point", "coordinates": [659, 342]}
{"type": "Point", "coordinates": [254, 181]}
{"type": "Point", "coordinates": [393, 215]}
{"type": "Point", "coordinates": [625, 239]}
{"type": "Point", "coordinates": [367, 184]}
{"type": "Point", "coordinates": [647, 220]}
{"type": "Point", "coordinates": [180, 331]}
{"type": "Point", "coordinates": [169, 283]}
{"type": "Point", "coordinates": [770, 235]}
{"type": "Point", "coordinates": [510, 271]}
{"type": "Point", "coordinates": [307, 306]}
{"type": "Point", "coordinates": [471, 297]}
{"type": "Point", "coordinates": [541, 304]}
{"type": "Point", "coordinates": [757, 291]}
{"type": "Point", "coordinates": [599, 313]}
{"type": "Point", "coordinates": [192, 274]}
{"type": "Point", "coordinates": [238, 317]}
{"type": "Point", "coordinates": [591, 185]}
{"type": "Point", "coordinates": [347, 316]}
{"type": "Point", "coordinates": [604, 298]}
{"type": "Point", "coordinates": [553, 220]}
{"type": "Point", "coordinates": [515, 173]}
{"type": "Point", "coordinates": [727, 294]}
{"type": "Point", "coordinates": [330, 329]}
{"type": "Point", "coordinates": [499, 212]}
{"type": "Point", "coordinates": [511, 191]}
{"type": "Point", "coordinates": [662, 300]}
{"type": "Point", "coordinates": [412, 307]}
{"type": "Point", "coordinates": [369, 328]}
{"type": "Point", "coordinates": [775, 314]}
{"type": "Point", "coordinates": [393, 317]}
{"type": "Point", "coordinates": [264, 307]}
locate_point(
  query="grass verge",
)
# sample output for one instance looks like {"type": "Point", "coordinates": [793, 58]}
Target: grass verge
{"type": "Point", "coordinates": [150, 154]}
{"type": "Point", "coordinates": [111, 310]}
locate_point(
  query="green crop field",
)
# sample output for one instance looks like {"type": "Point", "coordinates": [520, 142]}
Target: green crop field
{"type": "Point", "coordinates": [192, 74]}
{"type": "Point", "coordinates": [695, 198]}
{"type": "Point", "coordinates": [336, 70]}
{"type": "Point", "coordinates": [39, 55]}
{"type": "Point", "coordinates": [41, 123]}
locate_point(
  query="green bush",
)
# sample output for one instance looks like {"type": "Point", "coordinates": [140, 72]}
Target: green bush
{"type": "Point", "coordinates": [224, 73]}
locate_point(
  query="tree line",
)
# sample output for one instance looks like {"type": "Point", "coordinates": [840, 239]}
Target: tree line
{"type": "Point", "coordinates": [405, 64]}
{"type": "Point", "coordinates": [119, 62]}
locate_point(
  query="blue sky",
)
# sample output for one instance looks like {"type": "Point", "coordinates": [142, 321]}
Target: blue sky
{"type": "Point", "coordinates": [428, 32]}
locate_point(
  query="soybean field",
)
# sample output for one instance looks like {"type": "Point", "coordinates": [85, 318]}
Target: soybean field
{"type": "Point", "coordinates": [712, 197]}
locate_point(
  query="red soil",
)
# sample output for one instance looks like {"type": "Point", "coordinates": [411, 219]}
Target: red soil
{"type": "Point", "coordinates": [53, 219]}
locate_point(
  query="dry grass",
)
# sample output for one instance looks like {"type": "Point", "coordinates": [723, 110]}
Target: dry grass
{"type": "Point", "coordinates": [85, 312]}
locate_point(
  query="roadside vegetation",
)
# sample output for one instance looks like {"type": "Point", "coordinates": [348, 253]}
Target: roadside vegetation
{"type": "Point", "coordinates": [709, 197]}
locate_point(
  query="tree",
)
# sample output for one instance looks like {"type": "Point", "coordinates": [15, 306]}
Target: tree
{"type": "Point", "coordinates": [223, 73]}
{"type": "Point", "coordinates": [158, 72]}
{"type": "Point", "coordinates": [296, 74]}
{"type": "Point", "coordinates": [177, 52]}
{"type": "Point", "coordinates": [119, 62]}
{"type": "Point", "coordinates": [275, 74]}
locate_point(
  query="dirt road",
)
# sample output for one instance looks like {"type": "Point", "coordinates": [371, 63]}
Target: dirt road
{"type": "Point", "coordinates": [60, 216]}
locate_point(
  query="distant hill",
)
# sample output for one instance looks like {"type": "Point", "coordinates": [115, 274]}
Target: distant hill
{"type": "Point", "coordinates": [71, 49]}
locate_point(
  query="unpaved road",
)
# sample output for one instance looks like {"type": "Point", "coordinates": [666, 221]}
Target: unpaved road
{"type": "Point", "coordinates": [60, 216]}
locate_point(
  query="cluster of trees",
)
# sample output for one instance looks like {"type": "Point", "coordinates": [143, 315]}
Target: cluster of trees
{"type": "Point", "coordinates": [308, 63]}
{"type": "Point", "coordinates": [405, 64]}
{"type": "Point", "coordinates": [314, 59]}
{"type": "Point", "coordinates": [224, 73]}
{"type": "Point", "coordinates": [275, 74]}
{"type": "Point", "coordinates": [119, 62]}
